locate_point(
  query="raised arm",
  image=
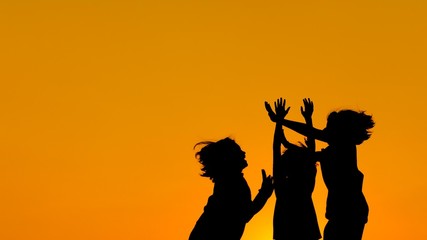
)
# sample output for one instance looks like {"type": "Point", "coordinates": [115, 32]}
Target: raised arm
{"type": "Point", "coordinates": [305, 130]}
{"type": "Point", "coordinates": [263, 195]}
{"type": "Point", "coordinates": [277, 143]}
{"type": "Point", "coordinates": [298, 127]}
{"type": "Point", "coordinates": [279, 136]}
{"type": "Point", "coordinates": [307, 112]}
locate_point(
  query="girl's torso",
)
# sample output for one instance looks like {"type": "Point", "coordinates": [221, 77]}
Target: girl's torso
{"type": "Point", "coordinates": [344, 182]}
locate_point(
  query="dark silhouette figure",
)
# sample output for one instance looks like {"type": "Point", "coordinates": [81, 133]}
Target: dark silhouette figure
{"type": "Point", "coordinates": [347, 208]}
{"type": "Point", "coordinates": [230, 206]}
{"type": "Point", "coordinates": [294, 174]}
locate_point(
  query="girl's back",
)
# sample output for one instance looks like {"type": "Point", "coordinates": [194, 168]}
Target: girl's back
{"type": "Point", "coordinates": [294, 213]}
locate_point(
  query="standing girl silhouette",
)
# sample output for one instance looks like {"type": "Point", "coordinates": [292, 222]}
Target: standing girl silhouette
{"type": "Point", "coordinates": [294, 175]}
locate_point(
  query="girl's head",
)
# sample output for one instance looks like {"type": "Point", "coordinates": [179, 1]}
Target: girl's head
{"type": "Point", "coordinates": [221, 158]}
{"type": "Point", "coordinates": [348, 127]}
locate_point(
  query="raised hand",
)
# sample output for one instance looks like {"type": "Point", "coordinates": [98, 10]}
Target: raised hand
{"type": "Point", "coordinates": [270, 112]}
{"type": "Point", "coordinates": [267, 183]}
{"type": "Point", "coordinates": [307, 110]}
{"type": "Point", "coordinates": [280, 107]}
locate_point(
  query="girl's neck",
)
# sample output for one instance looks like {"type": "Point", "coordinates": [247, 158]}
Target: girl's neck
{"type": "Point", "coordinates": [229, 176]}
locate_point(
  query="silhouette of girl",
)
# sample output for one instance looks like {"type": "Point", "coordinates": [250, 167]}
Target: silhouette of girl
{"type": "Point", "coordinates": [230, 206]}
{"type": "Point", "coordinates": [294, 174]}
{"type": "Point", "coordinates": [347, 209]}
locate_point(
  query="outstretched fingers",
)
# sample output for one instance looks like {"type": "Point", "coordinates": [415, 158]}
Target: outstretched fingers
{"type": "Point", "coordinates": [308, 108]}
{"type": "Point", "coordinates": [280, 109]}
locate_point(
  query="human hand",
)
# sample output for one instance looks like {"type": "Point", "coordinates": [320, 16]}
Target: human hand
{"type": "Point", "coordinates": [280, 107]}
{"type": "Point", "coordinates": [267, 183]}
{"type": "Point", "coordinates": [307, 110]}
{"type": "Point", "coordinates": [270, 112]}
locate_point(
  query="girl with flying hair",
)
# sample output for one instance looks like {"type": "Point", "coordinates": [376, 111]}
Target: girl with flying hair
{"type": "Point", "coordinates": [346, 206]}
{"type": "Point", "coordinates": [230, 206]}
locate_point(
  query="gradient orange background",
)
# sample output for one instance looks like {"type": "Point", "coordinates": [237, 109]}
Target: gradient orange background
{"type": "Point", "coordinates": [101, 103]}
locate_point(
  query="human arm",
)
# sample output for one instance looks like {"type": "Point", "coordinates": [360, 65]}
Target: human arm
{"type": "Point", "coordinates": [263, 195]}
{"type": "Point", "coordinates": [305, 130]}
{"type": "Point", "coordinates": [298, 127]}
{"type": "Point", "coordinates": [307, 112]}
{"type": "Point", "coordinates": [279, 137]}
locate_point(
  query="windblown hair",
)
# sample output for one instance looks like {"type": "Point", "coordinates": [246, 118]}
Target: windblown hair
{"type": "Point", "coordinates": [214, 155]}
{"type": "Point", "coordinates": [350, 126]}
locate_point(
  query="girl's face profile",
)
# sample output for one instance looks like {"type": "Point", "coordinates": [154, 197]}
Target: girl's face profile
{"type": "Point", "coordinates": [238, 155]}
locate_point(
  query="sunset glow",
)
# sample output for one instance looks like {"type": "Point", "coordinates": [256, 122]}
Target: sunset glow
{"type": "Point", "coordinates": [103, 101]}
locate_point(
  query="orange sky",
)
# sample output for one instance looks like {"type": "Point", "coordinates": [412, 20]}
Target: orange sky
{"type": "Point", "coordinates": [102, 101]}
